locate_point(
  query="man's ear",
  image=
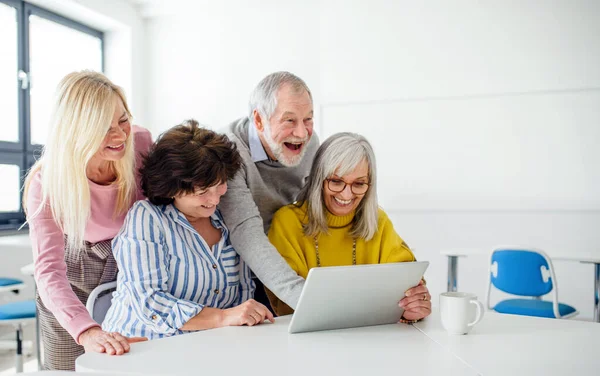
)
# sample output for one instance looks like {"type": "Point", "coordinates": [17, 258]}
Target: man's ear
{"type": "Point", "coordinates": [260, 126]}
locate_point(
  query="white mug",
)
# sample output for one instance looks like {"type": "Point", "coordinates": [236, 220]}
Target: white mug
{"type": "Point", "coordinates": [457, 310]}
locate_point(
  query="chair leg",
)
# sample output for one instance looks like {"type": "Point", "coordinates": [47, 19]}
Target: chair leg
{"type": "Point", "coordinates": [19, 365]}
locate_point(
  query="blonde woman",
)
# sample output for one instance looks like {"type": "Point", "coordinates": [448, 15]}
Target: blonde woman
{"type": "Point", "coordinates": [76, 198]}
{"type": "Point", "coordinates": [337, 221]}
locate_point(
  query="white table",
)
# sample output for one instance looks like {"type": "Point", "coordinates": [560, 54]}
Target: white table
{"type": "Point", "coordinates": [16, 241]}
{"type": "Point", "coordinates": [268, 349]}
{"type": "Point", "coordinates": [28, 269]}
{"type": "Point", "coordinates": [68, 373]}
{"type": "Point", "coordinates": [499, 344]}
{"type": "Point", "coordinates": [520, 345]}
{"type": "Point", "coordinates": [583, 257]}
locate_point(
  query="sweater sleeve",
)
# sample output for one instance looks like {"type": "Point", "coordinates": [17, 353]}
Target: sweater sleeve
{"type": "Point", "coordinates": [285, 234]}
{"type": "Point", "coordinates": [50, 274]}
{"type": "Point", "coordinates": [143, 140]}
{"type": "Point", "coordinates": [393, 248]}
{"type": "Point", "coordinates": [247, 236]}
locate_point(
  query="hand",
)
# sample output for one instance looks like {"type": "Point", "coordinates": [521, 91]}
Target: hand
{"type": "Point", "coordinates": [416, 303]}
{"type": "Point", "coordinates": [248, 313]}
{"type": "Point", "coordinates": [97, 340]}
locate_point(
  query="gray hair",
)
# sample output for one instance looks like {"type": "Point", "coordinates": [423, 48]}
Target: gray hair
{"type": "Point", "coordinates": [340, 154]}
{"type": "Point", "coordinates": [264, 97]}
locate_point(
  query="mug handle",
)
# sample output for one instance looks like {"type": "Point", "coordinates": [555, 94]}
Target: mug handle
{"type": "Point", "coordinates": [480, 310]}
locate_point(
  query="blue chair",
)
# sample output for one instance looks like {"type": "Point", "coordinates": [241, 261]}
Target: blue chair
{"type": "Point", "coordinates": [17, 314]}
{"type": "Point", "coordinates": [14, 286]}
{"type": "Point", "coordinates": [525, 272]}
{"type": "Point", "coordinates": [11, 284]}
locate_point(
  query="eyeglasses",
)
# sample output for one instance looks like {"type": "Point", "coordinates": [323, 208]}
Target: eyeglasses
{"type": "Point", "coordinates": [338, 185]}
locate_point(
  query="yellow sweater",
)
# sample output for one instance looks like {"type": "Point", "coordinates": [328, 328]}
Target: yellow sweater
{"type": "Point", "coordinates": [335, 248]}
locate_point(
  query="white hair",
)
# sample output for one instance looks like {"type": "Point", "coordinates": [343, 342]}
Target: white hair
{"type": "Point", "coordinates": [264, 97]}
{"type": "Point", "coordinates": [340, 154]}
{"type": "Point", "coordinates": [84, 107]}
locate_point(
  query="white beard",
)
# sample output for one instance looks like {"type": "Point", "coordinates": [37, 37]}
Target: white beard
{"type": "Point", "coordinates": [277, 149]}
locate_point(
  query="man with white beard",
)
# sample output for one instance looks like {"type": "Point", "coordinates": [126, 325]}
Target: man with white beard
{"type": "Point", "coordinates": [277, 145]}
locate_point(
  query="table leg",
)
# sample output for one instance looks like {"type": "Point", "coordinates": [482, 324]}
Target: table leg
{"type": "Point", "coordinates": [452, 272]}
{"type": "Point", "coordinates": [38, 333]}
{"type": "Point", "coordinates": [19, 357]}
{"type": "Point", "coordinates": [597, 293]}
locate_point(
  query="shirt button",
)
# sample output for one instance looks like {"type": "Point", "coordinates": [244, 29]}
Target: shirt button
{"type": "Point", "coordinates": [154, 317]}
{"type": "Point", "coordinates": [216, 291]}
{"type": "Point", "coordinates": [214, 266]}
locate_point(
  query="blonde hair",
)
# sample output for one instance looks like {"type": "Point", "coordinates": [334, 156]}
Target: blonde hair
{"type": "Point", "coordinates": [84, 107]}
{"type": "Point", "coordinates": [340, 154]}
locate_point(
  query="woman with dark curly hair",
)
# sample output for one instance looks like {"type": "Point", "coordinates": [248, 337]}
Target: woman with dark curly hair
{"type": "Point", "coordinates": [178, 271]}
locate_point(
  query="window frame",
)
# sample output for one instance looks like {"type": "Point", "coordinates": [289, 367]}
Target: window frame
{"type": "Point", "coordinates": [22, 153]}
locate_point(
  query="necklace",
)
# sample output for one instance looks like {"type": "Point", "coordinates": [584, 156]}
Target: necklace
{"type": "Point", "coordinates": [319, 258]}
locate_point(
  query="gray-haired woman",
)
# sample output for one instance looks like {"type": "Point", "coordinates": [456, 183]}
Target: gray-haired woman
{"type": "Point", "coordinates": [337, 221]}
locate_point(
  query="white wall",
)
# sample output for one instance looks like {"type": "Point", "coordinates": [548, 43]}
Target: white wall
{"type": "Point", "coordinates": [204, 61]}
{"type": "Point", "coordinates": [489, 105]}
{"type": "Point", "coordinates": [483, 114]}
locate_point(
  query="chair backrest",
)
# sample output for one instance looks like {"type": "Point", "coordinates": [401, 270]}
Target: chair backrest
{"type": "Point", "coordinates": [100, 300]}
{"type": "Point", "coordinates": [518, 271]}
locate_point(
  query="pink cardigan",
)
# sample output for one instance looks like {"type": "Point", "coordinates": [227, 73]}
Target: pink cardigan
{"type": "Point", "coordinates": [49, 246]}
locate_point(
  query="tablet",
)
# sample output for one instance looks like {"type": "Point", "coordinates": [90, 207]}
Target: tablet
{"type": "Point", "coordinates": [340, 297]}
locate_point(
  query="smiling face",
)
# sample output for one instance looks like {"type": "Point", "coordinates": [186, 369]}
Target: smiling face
{"type": "Point", "coordinates": [202, 203]}
{"type": "Point", "coordinates": [345, 202]}
{"type": "Point", "coordinates": [287, 132]}
{"type": "Point", "coordinates": [114, 143]}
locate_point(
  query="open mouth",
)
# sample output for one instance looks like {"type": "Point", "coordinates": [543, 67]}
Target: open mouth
{"type": "Point", "coordinates": [343, 202]}
{"type": "Point", "coordinates": [294, 146]}
{"type": "Point", "coordinates": [207, 206]}
{"type": "Point", "coordinates": [117, 147]}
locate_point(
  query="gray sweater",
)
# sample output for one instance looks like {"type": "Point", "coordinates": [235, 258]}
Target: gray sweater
{"type": "Point", "coordinates": [253, 196]}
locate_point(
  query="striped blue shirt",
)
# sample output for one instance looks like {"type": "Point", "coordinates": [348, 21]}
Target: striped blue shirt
{"type": "Point", "coordinates": [168, 273]}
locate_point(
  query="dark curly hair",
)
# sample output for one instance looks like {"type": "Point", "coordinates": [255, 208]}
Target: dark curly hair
{"type": "Point", "coordinates": [185, 158]}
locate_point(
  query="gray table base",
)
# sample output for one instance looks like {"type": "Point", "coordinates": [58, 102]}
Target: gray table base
{"type": "Point", "coordinates": [597, 293]}
{"type": "Point", "coordinates": [452, 273]}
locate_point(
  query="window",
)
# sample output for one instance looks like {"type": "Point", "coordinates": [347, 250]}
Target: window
{"type": "Point", "coordinates": [37, 49]}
